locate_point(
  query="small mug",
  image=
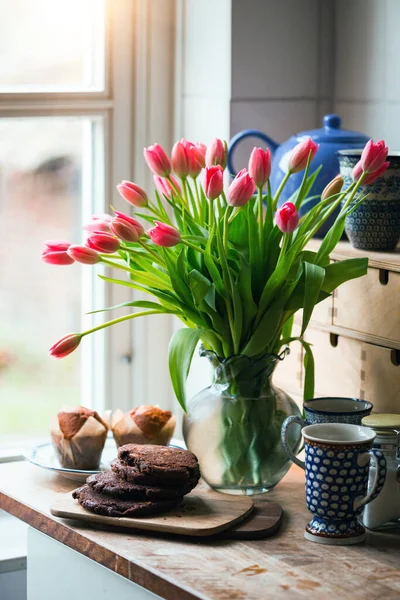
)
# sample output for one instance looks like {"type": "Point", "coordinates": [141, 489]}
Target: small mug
{"type": "Point", "coordinates": [329, 410]}
{"type": "Point", "coordinates": [337, 460]}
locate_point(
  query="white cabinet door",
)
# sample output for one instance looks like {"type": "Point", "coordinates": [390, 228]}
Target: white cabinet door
{"type": "Point", "coordinates": [57, 572]}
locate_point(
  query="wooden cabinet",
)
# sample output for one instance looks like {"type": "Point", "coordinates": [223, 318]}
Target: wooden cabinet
{"type": "Point", "coordinates": [355, 337]}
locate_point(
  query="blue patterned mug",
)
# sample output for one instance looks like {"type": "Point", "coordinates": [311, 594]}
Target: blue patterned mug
{"type": "Point", "coordinates": [329, 410]}
{"type": "Point", "coordinates": [337, 470]}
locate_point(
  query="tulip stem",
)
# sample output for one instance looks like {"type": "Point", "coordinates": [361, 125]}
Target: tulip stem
{"type": "Point", "coordinates": [279, 190]}
{"type": "Point", "coordinates": [120, 320]}
{"type": "Point", "coordinates": [227, 214]}
{"type": "Point", "coordinates": [285, 244]}
{"type": "Point", "coordinates": [211, 215]}
{"type": "Point", "coordinates": [156, 257]}
{"type": "Point", "coordinates": [260, 222]}
{"type": "Point", "coordinates": [196, 191]}
{"type": "Point", "coordinates": [190, 245]}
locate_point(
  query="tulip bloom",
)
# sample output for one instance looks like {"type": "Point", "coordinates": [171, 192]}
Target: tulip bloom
{"type": "Point", "coordinates": [132, 193]}
{"type": "Point", "coordinates": [196, 158]}
{"type": "Point", "coordinates": [287, 217]}
{"type": "Point", "coordinates": [84, 255]}
{"type": "Point", "coordinates": [260, 166]}
{"type": "Point", "coordinates": [103, 242]}
{"type": "Point", "coordinates": [98, 226]}
{"type": "Point", "coordinates": [300, 153]}
{"type": "Point", "coordinates": [56, 245]}
{"type": "Point", "coordinates": [54, 257]}
{"type": "Point", "coordinates": [124, 230]}
{"type": "Point", "coordinates": [180, 159]}
{"type": "Point", "coordinates": [373, 156]}
{"type": "Point", "coordinates": [241, 189]}
{"type": "Point", "coordinates": [165, 188]}
{"type": "Point", "coordinates": [157, 160]}
{"type": "Point", "coordinates": [217, 153]}
{"type": "Point", "coordinates": [334, 187]}
{"type": "Point", "coordinates": [371, 177]}
{"type": "Point", "coordinates": [213, 183]}
{"type": "Point", "coordinates": [134, 222]}
{"type": "Point", "coordinates": [66, 345]}
{"type": "Point", "coordinates": [164, 235]}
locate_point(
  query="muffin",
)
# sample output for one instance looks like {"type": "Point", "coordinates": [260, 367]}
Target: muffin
{"type": "Point", "coordinates": [143, 425]}
{"type": "Point", "coordinates": [78, 436]}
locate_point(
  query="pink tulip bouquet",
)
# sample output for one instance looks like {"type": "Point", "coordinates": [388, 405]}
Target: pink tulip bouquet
{"type": "Point", "coordinates": [230, 264]}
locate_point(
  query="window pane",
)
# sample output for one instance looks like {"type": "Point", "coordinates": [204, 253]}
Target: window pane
{"type": "Point", "coordinates": [51, 45]}
{"type": "Point", "coordinates": [44, 164]}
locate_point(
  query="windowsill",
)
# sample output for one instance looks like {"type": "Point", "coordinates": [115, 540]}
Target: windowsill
{"type": "Point", "coordinates": [12, 543]}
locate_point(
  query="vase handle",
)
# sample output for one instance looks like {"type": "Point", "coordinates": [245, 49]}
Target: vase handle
{"type": "Point", "coordinates": [284, 437]}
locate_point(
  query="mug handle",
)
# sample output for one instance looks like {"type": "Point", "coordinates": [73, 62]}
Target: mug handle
{"type": "Point", "coordinates": [284, 435]}
{"type": "Point", "coordinates": [379, 480]}
{"type": "Point", "coordinates": [243, 135]}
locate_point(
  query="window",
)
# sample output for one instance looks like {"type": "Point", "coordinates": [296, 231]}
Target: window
{"type": "Point", "coordinates": [89, 87]}
{"type": "Point", "coordinates": [55, 115]}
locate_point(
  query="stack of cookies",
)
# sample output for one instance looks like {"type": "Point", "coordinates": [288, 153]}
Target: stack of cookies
{"type": "Point", "coordinates": [144, 480]}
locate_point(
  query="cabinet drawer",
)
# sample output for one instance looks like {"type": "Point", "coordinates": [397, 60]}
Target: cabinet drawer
{"type": "Point", "coordinates": [338, 364]}
{"type": "Point", "coordinates": [370, 304]}
{"type": "Point", "coordinates": [381, 378]}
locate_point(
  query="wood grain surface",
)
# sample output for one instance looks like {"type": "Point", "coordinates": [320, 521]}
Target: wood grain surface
{"type": "Point", "coordinates": [203, 512]}
{"type": "Point", "coordinates": [284, 566]}
{"type": "Point", "coordinates": [264, 520]}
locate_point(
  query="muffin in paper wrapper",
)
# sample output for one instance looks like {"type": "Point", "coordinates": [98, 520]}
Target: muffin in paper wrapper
{"type": "Point", "coordinates": [78, 436]}
{"type": "Point", "coordinates": [144, 424]}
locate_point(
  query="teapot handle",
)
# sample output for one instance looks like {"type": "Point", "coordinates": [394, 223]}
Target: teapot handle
{"type": "Point", "coordinates": [272, 145]}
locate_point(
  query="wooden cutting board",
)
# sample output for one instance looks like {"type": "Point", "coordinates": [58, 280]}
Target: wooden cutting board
{"type": "Point", "coordinates": [264, 520]}
{"type": "Point", "coordinates": [202, 513]}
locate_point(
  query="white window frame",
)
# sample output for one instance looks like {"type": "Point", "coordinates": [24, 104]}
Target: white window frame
{"type": "Point", "coordinates": [139, 67]}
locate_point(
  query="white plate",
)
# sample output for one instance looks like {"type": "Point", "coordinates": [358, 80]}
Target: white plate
{"type": "Point", "coordinates": [44, 456]}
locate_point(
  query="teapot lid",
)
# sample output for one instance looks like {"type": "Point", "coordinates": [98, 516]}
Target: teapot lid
{"type": "Point", "coordinates": [332, 132]}
{"type": "Point", "coordinates": [384, 422]}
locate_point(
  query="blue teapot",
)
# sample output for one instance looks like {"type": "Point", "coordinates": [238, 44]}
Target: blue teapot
{"type": "Point", "coordinates": [330, 138]}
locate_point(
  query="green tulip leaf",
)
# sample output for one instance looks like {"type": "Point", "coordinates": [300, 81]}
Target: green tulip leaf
{"type": "Point", "coordinates": [180, 354]}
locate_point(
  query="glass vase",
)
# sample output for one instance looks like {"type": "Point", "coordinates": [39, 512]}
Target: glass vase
{"type": "Point", "coordinates": [234, 425]}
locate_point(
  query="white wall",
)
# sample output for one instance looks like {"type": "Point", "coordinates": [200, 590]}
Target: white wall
{"type": "Point", "coordinates": [367, 74]}
{"type": "Point", "coordinates": [282, 61]}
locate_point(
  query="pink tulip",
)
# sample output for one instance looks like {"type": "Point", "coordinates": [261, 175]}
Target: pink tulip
{"type": "Point", "coordinates": [134, 222]}
{"type": "Point", "coordinates": [213, 183]}
{"type": "Point", "coordinates": [124, 230]}
{"type": "Point", "coordinates": [217, 153]}
{"type": "Point", "coordinates": [201, 153]}
{"type": "Point", "coordinates": [164, 235]}
{"type": "Point", "coordinates": [180, 159]}
{"type": "Point", "coordinates": [98, 226]}
{"type": "Point", "coordinates": [54, 257]}
{"type": "Point", "coordinates": [66, 345]}
{"type": "Point", "coordinates": [300, 153]}
{"type": "Point", "coordinates": [196, 157]}
{"type": "Point", "coordinates": [132, 193]}
{"type": "Point", "coordinates": [165, 188]}
{"type": "Point", "coordinates": [287, 217]}
{"type": "Point", "coordinates": [84, 255]}
{"type": "Point", "coordinates": [373, 156]}
{"type": "Point", "coordinates": [56, 245]}
{"type": "Point", "coordinates": [260, 166]}
{"type": "Point", "coordinates": [241, 189]}
{"type": "Point", "coordinates": [157, 160]}
{"type": "Point", "coordinates": [371, 177]}
{"type": "Point", "coordinates": [103, 242]}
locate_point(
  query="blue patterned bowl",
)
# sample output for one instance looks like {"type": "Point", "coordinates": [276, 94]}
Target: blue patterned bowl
{"type": "Point", "coordinates": [375, 225]}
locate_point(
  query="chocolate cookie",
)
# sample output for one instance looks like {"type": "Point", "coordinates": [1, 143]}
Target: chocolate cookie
{"type": "Point", "coordinates": [161, 463]}
{"type": "Point", "coordinates": [110, 484]}
{"type": "Point", "coordinates": [117, 507]}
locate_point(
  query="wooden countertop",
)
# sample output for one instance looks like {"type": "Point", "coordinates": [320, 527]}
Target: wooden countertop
{"type": "Point", "coordinates": [285, 566]}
